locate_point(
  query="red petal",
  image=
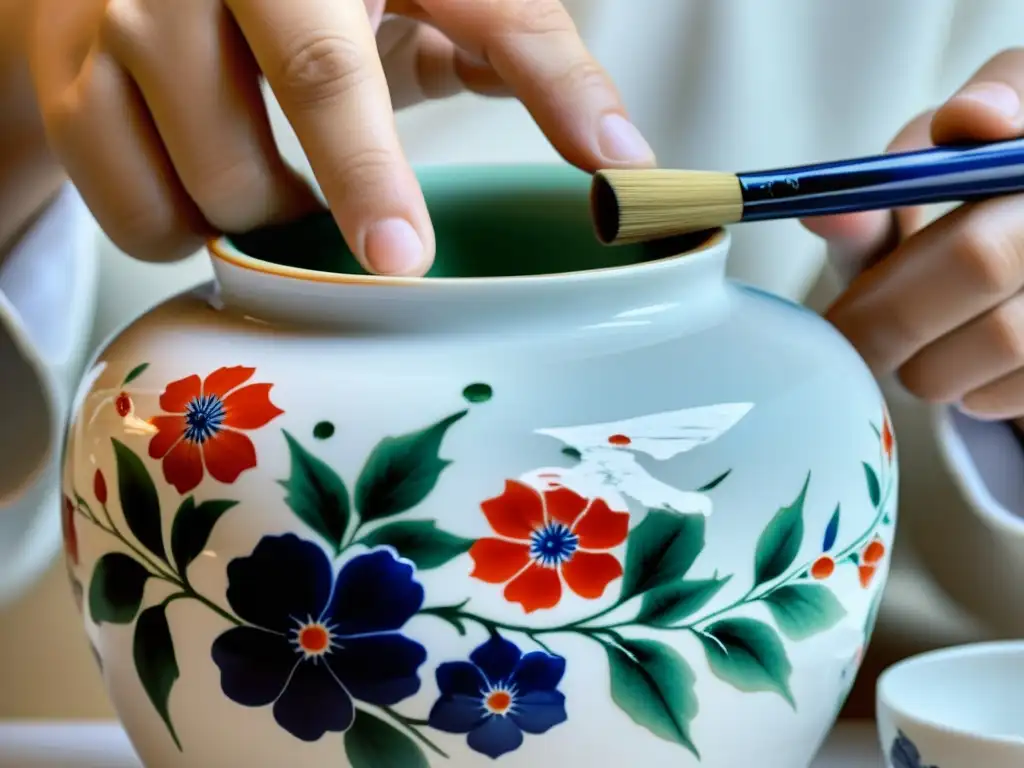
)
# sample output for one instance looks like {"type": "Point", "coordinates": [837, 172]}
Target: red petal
{"type": "Point", "coordinates": [250, 407]}
{"type": "Point", "coordinates": [223, 380]}
{"type": "Point", "coordinates": [535, 588]}
{"type": "Point", "coordinates": [179, 394]}
{"type": "Point", "coordinates": [170, 430]}
{"type": "Point", "coordinates": [228, 454]}
{"type": "Point", "coordinates": [517, 513]}
{"type": "Point", "coordinates": [496, 561]}
{"type": "Point", "coordinates": [70, 533]}
{"type": "Point", "coordinates": [564, 506]}
{"type": "Point", "coordinates": [183, 466]}
{"type": "Point", "coordinates": [588, 574]}
{"type": "Point", "coordinates": [601, 528]}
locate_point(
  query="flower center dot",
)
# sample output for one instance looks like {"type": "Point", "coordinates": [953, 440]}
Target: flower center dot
{"type": "Point", "coordinates": [498, 702]}
{"type": "Point", "coordinates": [314, 639]}
{"type": "Point", "coordinates": [553, 544]}
{"type": "Point", "coordinates": [204, 416]}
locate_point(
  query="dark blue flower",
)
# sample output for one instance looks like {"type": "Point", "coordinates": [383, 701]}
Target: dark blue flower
{"type": "Point", "coordinates": [904, 753]}
{"type": "Point", "coordinates": [318, 641]}
{"type": "Point", "coordinates": [497, 695]}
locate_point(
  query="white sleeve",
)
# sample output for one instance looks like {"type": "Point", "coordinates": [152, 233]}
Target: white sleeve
{"type": "Point", "coordinates": [47, 300]}
{"type": "Point", "coordinates": [986, 459]}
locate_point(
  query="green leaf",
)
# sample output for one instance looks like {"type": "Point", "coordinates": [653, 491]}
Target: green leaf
{"type": "Point", "coordinates": [804, 610]}
{"type": "Point", "coordinates": [140, 504]}
{"type": "Point", "coordinates": [714, 483]}
{"type": "Point", "coordinates": [401, 471]}
{"type": "Point", "coordinates": [661, 550]}
{"type": "Point", "coordinates": [155, 661]}
{"type": "Point", "coordinates": [373, 743]}
{"type": "Point", "coordinates": [116, 588]}
{"type": "Point", "coordinates": [654, 686]}
{"type": "Point", "coordinates": [478, 392]}
{"type": "Point", "coordinates": [874, 489]}
{"type": "Point", "coordinates": [780, 540]}
{"type": "Point", "coordinates": [748, 655]}
{"type": "Point", "coordinates": [316, 494]}
{"type": "Point", "coordinates": [671, 603]}
{"type": "Point", "coordinates": [572, 453]}
{"type": "Point", "coordinates": [134, 373]}
{"type": "Point", "coordinates": [192, 527]}
{"type": "Point", "coordinates": [420, 541]}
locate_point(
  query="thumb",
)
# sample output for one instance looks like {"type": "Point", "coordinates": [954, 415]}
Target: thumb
{"type": "Point", "coordinates": [858, 240]}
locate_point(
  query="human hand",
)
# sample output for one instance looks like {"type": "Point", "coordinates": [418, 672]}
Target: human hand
{"type": "Point", "coordinates": [941, 304]}
{"type": "Point", "coordinates": [155, 110]}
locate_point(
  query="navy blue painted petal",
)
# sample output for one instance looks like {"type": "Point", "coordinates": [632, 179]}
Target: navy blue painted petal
{"type": "Point", "coordinates": [254, 665]}
{"type": "Point", "coordinates": [375, 592]}
{"type": "Point", "coordinates": [284, 577]}
{"type": "Point", "coordinates": [496, 737]}
{"type": "Point", "coordinates": [540, 711]}
{"type": "Point", "coordinates": [497, 659]}
{"type": "Point", "coordinates": [461, 677]}
{"type": "Point", "coordinates": [313, 703]}
{"type": "Point", "coordinates": [457, 714]}
{"type": "Point", "coordinates": [538, 671]}
{"type": "Point", "coordinates": [379, 669]}
{"type": "Point", "coordinates": [903, 753]}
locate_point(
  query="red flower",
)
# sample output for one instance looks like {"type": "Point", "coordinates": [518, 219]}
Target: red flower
{"type": "Point", "coordinates": [547, 538]}
{"type": "Point", "coordinates": [204, 426]}
{"type": "Point", "coordinates": [70, 534]}
{"type": "Point", "coordinates": [888, 441]}
{"type": "Point", "coordinates": [99, 487]}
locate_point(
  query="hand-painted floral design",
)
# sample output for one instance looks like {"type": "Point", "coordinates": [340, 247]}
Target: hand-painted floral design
{"type": "Point", "coordinates": [887, 438]}
{"type": "Point", "coordinates": [904, 753]}
{"type": "Point", "coordinates": [547, 537]}
{"type": "Point", "coordinates": [70, 532]}
{"type": "Point", "coordinates": [204, 424]}
{"type": "Point", "coordinates": [318, 642]}
{"type": "Point", "coordinates": [498, 695]}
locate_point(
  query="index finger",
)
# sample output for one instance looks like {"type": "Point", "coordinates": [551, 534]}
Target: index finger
{"type": "Point", "coordinates": [320, 58]}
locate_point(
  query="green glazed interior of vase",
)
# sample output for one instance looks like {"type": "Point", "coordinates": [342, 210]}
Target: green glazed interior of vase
{"type": "Point", "coordinates": [490, 221]}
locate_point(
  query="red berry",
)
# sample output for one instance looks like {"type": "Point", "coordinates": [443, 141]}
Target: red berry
{"type": "Point", "coordinates": [123, 404]}
{"type": "Point", "coordinates": [99, 487]}
{"type": "Point", "coordinates": [823, 567]}
{"type": "Point", "coordinates": [867, 573]}
{"type": "Point", "coordinates": [873, 552]}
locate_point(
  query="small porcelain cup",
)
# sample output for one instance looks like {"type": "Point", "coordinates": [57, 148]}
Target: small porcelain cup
{"type": "Point", "coordinates": [954, 708]}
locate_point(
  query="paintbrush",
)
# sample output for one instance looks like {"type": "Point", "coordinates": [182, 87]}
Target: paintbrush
{"type": "Point", "coordinates": [629, 206]}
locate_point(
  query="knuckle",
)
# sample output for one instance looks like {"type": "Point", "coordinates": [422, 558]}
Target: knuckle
{"type": "Point", "coordinates": [320, 68]}
{"type": "Point", "coordinates": [1005, 327]}
{"type": "Point", "coordinates": [363, 170]}
{"type": "Point", "coordinates": [537, 17]}
{"type": "Point", "coordinates": [987, 258]}
{"type": "Point", "coordinates": [582, 75]}
{"type": "Point", "coordinates": [122, 25]}
{"type": "Point", "coordinates": [224, 191]}
{"type": "Point", "coordinates": [919, 380]}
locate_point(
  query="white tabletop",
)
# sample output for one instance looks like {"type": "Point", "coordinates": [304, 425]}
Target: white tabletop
{"type": "Point", "coordinates": [104, 745]}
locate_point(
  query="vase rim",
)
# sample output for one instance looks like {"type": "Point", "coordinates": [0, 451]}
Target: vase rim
{"type": "Point", "coordinates": [222, 249]}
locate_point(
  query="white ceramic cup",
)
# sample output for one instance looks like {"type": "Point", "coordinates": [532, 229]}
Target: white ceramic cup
{"type": "Point", "coordinates": [954, 708]}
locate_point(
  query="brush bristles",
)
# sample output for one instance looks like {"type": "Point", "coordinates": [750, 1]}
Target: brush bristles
{"type": "Point", "coordinates": [630, 206]}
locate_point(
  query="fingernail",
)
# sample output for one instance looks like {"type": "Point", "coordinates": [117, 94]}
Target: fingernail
{"type": "Point", "coordinates": [998, 96]}
{"type": "Point", "coordinates": [392, 247]}
{"type": "Point", "coordinates": [620, 141]}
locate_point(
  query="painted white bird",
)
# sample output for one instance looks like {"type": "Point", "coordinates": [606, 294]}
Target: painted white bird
{"type": "Point", "coordinates": [608, 466]}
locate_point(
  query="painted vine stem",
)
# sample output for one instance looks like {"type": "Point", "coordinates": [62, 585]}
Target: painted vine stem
{"type": "Point", "coordinates": [650, 681]}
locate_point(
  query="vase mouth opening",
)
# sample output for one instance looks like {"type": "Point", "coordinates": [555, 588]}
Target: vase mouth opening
{"type": "Point", "coordinates": [493, 224]}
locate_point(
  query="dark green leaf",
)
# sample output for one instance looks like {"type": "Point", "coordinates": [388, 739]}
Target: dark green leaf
{"type": "Point", "coordinates": [804, 610]}
{"type": "Point", "coordinates": [671, 603]}
{"type": "Point", "coordinates": [140, 504]}
{"type": "Point", "coordinates": [401, 471]}
{"type": "Point", "coordinates": [317, 495]}
{"type": "Point", "coordinates": [780, 540]}
{"type": "Point", "coordinates": [155, 661]}
{"type": "Point", "coordinates": [654, 686]}
{"type": "Point", "coordinates": [373, 743]}
{"type": "Point", "coordinates": [714, 483]}
{"type": "Point", "coordinates": [874, 489]}
{"type": "Point", "coordinates": [116, 587]}
{"type": "Point", "coordinates": [478, 393]}
{"type": "Point", "coordinates": [572, 453]}
{"type": "Point", "coordinates": [134, 373]}
{"type": "Point", "coordinates": [661, 550]}
{"type": "Point", "coordinates": [420, 541]}
{"type": "Point", "coordinates": [748, 655]}
{"type": "Point", "coordinates": [192, 527]}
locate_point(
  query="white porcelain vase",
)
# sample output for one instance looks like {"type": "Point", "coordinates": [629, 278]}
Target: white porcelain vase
{"type": "Point", "coordinates": [554, 504]}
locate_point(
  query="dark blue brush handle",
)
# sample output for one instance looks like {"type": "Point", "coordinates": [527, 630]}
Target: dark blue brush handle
{"type": "Point", "coordinates": [943, 174]}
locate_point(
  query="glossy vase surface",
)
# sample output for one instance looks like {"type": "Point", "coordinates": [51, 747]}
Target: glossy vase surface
{"type": "Point", "coordinates": [554, 504]}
